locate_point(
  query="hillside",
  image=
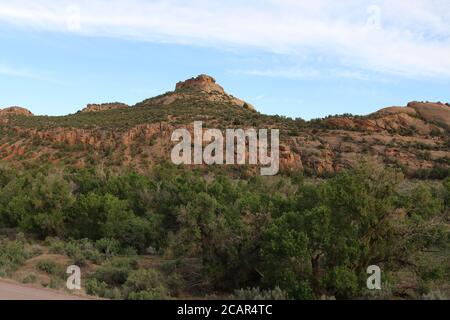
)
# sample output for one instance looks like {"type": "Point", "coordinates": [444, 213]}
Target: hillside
{"type": "Point", "coordinates": [94, 189]}
{"type": "Point", "coordinates": [414, 138]}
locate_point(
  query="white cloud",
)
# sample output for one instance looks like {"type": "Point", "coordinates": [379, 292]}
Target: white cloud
{"type": "Point", "coordinates": [17, 72]}
{"type": "Point", "coordinates": [24, 72]}
{"type": "Point", "coordinates": [299, 72]}
{"type": "Point", "coordinates": [413, 38]}
{"type": "Point", "coordinates": [288, 73]}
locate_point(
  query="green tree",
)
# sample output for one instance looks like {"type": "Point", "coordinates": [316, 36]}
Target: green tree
{"type": "Point", "coordinates": [359, 220]}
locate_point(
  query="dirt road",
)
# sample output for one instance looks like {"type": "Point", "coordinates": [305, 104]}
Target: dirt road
{"type": "Point", "coordinates": [13, 291]}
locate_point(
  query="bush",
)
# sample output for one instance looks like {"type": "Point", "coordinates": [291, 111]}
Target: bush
{"type": "Point", "coordinates": [115, 273]}
{"type": "Point", "coordinates": [143, 279]}
{"type": "Point", "coordinates": [109, 247]}
{"type": "Point", "coordinates": [30, 278]}
{"type": "Point", "coordinates": [176, 283]}
{"type": "Point", "coordinates": [80, 251]}
{"type": "Point", "coordinates": [12, 256]}
{"type": "Point", "coordinates": [35, 250]}
{"type": "Point", "coordinates": [158, 293]}
{"type": "Point", "coordinates": [145, 284]}
{"type": "Point", "coordinates": [96, 287]}
{"type": "Point", "coordinates": [55, 282]}
{"type": "Point", "coordinates": [435, 295]}
{"type": "Point", "coordinates": [55, 245]}
{"type": "Point", "coordinates": [447, 192]}
{"type": "Point", "coordinates": [258, 294]}
{"type": "Point", "coordinates": [113, 294]}
{"type": "Point", "coordinates": [49, 267]}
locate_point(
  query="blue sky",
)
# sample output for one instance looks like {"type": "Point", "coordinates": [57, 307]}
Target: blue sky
{"type": "Point", "coordinates": [288, 57]}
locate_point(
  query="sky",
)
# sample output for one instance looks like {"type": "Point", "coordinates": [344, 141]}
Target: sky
{"type": "Point", "coordinates": [297, 58]}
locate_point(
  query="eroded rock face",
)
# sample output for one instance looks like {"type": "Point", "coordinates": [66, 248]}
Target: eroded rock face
{"type": "Point", "coordinates": [206, 84]}
{"type": "Point", "coordinates": [104, 107]}
{"type": "Point", "coordinates": [415, 137]}
{"type": "Point", "coordinates": [16, 111]}
{"type": "Point", "coordinates": [397, 110]}
{"type": "Point", "coordinates": [420, 117]}
{"type": "Point", "coordinates": [429, 112]}
{"type": "Point", "coordinates": [432, 112]}
{"type": "Point", "coordinates": [202, 83]}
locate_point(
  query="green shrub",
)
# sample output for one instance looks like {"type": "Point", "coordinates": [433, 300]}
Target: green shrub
{"type": "Point", "coordinates": [447, 192]}
{"type": "Point", "coordinates": [12, 256]}
{"type": "Point", "coordinates": [115, 273]}
{"type": "Point", "coordinates": [109, 247]}
{"type": "Point", "coordinates": [55, 282]}
{"type": "Point", "coordinates": [113, 294]}
{"type": "Point", "coordinates": [35, 250]}
{"type": "Point", "coordinates": [81, 251]}
{"type": "Point", "coordinates": [176, 284]}
{"type": "Point", "coordinates": [258, 294]}
{"type": "Point", "coordinates": [157, 293]}
{"type": "Point", "coordinates": [49, 267]}
{"type": "Point", "coordinates": [435, 295]}
{"type": "Point", "coordinates": [30, 278]}
{"type": "Point", "coordinates": [145, 284]}
{"type": "Point", "coordinates": [143, 279]}
{"type": "Point", "coordinates": [56, 246]}
{"type": "Point", "coordinates": [96, 287]}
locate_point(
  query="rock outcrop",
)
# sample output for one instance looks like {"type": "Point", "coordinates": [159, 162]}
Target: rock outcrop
{"type": "Point", "coordinates": [423, 118]}
{"type": "Point", "coordinates": [432, 112]}
{"type": "Point", "coordinates": [15, 111]}
{"type": "Point", "coordinates": [104, 107]}
{"type": "Point", "coordinates": [415, 138]}
{"type": "Point", "coordinates": [203, 84]}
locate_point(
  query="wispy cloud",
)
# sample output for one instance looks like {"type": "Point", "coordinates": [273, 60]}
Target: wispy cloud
{"type": "Point", "coordinates": [258, 98]}
{"type": "Point", "coordinates": [17, 72]}
{"type": "Point", "coordinates": [27, 73]}
{"type": "Point", "coordinates": [319, 73]}
{"type": "Point", "coordinates": [403, 37]}
{"type": "Point", "coordinates": [288, 73]}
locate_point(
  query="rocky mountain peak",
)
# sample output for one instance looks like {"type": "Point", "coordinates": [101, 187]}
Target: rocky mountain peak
{"type": "Point", "coordinates": [201, 83]}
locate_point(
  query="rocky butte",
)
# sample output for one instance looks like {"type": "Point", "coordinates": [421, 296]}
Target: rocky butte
{"type": "Point", "coordinates": [207, 84]}
{"type": "Point", "coordinates": [415, 138]}
{"type": "Point", "coordinates": [202, 82]}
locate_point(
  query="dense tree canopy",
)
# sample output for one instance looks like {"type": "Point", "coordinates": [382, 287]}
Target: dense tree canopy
{"type": "Point", "coordinates": [307, 237]}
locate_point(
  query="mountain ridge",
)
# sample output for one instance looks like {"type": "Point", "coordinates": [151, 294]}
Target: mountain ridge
{"type": "Point", "coordinates": [414, 138]}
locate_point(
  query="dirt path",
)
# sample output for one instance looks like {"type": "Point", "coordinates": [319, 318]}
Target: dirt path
{"type": "Point", "coordinates": [13, 291]}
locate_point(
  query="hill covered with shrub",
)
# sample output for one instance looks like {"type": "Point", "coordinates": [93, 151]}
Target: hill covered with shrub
{"type": "Point", "coordinates": [97, 189]}
{"type": "Point", "coordinates": [414, 138]}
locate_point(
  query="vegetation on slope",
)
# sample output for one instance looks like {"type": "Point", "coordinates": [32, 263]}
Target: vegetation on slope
{"type": "Point", "coordinates": [184, 111]}
{"type": "Point", "coordinates": [118, 138]}
{"type": "Point", "coordinates": [174, 233]}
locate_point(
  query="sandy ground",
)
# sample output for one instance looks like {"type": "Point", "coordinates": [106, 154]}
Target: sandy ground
{"type": "Point", "coordinates": [14, 291]}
